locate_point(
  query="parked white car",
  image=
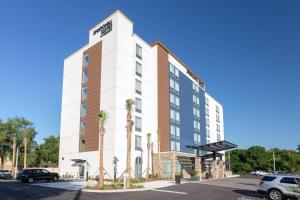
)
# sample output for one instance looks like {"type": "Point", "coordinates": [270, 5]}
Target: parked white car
{"type": "Point", "coordinates": [5, 174]}
{"type": "Point", "coordinates": [279, 186]}
{"type": "Point", "coordinates": [258, 173]}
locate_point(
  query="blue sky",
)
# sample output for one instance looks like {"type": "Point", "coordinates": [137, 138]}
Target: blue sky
{"type": "Point", "coordinates": [246, 51]}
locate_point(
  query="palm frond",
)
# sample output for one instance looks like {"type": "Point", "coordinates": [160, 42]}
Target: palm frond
{"type": "Point", "coordinates": [129, 105]}
{"type": "Point", "coordinates": [102, 117]}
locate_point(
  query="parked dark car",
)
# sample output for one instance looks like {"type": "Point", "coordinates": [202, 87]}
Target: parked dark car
{"type": "Point", "coordinates": [31, 175]}
{"type": "Point", "coordinates": [5, 174]}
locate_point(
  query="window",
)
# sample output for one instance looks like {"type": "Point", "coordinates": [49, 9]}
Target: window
{"type": "Point", "coordinates": [84, 93]}
{"type": "Point", "coordinates": [196, 112]}
{"type": "Point", "coordinates": [207, 133]}
{"type": "Point", "coordinates": [138, 123]}
{"type": "Point", "coordinates": [207, 122]}
{"type": "Point", "coordinates": [138, 105]}
{"type": "Point", "coordinates": [138, 86]}
{"type": "Point", "coordinates": [195, 99]}
{"type": "Point", "coordinates": [173, 145]}
{"type": "Point", "coordinates": [177, 101]}
{"type": "Point", "coordinates": [83, 110]}
{"type": "Point", "coordinates": [268, 178]}
{"type": "Point", "coordinates": [172, 68]}
{"type": "Point", "coordinates": [138, 51]}
{"type": "Point", "coordinates": [218, 137]}
{"type": "Point", "coordinates": [177, 146]}
{"type": "Point", "coordinates": [172, 84]}
{"type": "Point", "coordinates": [85, 59]}
{"type": "Point", "coordinates": [177, 86]}
{"type": "Point", "coordinates": [197, 139]}
{"type": "Point", "coordinates": [138, 69]}
{"type": "Point", "coordinates": [177, 132]}
{"type": "Point", "coordinates": [207, 112]}
{"type": "Point", "coordinates": [217, 109]}
{"type": "Point", "coordinates": [218, 118]}
{"type": "Point", "coordinates": [85, 75]}
{"type": "Point", "coordinates": [82, 145]}
{"type": "Point", "coordinates": [173, 133]}
{"type": "Point", "coordinates": [138, 142]}
{"type": "Point", "coordinates": [218, 128]}
{"type": "Point", "coordinates": [82, 125]}
{"type": "Point", "coordinates": [172, 115]}
{"type": "Point", "coordinates": [195, 88]}
{"type": "Point", "coordinates": [196, 125]}
{"type": "Point", "coordinates": [177, 117]}
{"type": "Point", "coordinates": [206, 101]}
{"type": "Point", "coordinates": [207, 141]}
{"type": "Point", "coordinates": [288, 180]}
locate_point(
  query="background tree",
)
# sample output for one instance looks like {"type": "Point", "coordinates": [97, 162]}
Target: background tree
{"type": "Point", "coordinates": [47, 153]}
{"type": "Point", "coordinates": [298, 149]}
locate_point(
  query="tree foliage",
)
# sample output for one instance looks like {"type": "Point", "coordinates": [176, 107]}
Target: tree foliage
{"type": "Point", "coordinates": [243, 161]}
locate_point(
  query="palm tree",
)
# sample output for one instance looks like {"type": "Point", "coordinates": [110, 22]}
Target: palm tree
{"type": "Point", "coordinates": [129, 108]}
{"type": "Point", "coordinates": [14, 154]}
{"type": "Point", "coordinates": [148, 148]}
{"type": "Point", "coordinates": [102, 117]}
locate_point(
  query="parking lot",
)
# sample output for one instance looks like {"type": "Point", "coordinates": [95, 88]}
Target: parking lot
{"type": "Point", "coordinates": [235, 188]}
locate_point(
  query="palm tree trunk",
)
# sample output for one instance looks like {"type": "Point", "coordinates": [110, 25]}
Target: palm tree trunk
{"type": "Point", "coordinates": [158, 152]}
{"type": "Point", "coordinates": [148, 161]}
{"type": "Point", "coordinates": [14, 156]}
{"type": "Point", "coordinates": [101, 178]}
{"type": "Point", "coordinates": [2, 162]}
{"type": "Point", "coordinates": [128, 151]}
{"type": "Point", "coordinates": [25, 153]}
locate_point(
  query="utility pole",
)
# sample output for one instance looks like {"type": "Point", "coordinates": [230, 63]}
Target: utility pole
{"type": "Point", "coordinates": [14, 155]}
{"type": "Point", "coordinates": [274, 164]}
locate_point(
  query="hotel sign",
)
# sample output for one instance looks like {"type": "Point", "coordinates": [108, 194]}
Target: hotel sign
{"type": "Point", "coordinates": [104, 29]}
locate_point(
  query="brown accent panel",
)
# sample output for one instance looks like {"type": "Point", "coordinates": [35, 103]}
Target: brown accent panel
{"type": "Point", "coordinates": [163, 98]}
{"type": "Point", "coordinates": [93, 84]}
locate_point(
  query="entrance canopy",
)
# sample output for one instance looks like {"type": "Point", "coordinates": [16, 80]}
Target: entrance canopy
{"type": "Point", "coordinates": [215, 147]}
{"type": "Point", "coordinates": [77, 162]}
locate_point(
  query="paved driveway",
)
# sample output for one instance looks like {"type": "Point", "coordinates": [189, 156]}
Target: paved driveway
{"type": "Point", "coordinates": [243, 182]}
{"type": "Point", "coordinates": [188, 191]}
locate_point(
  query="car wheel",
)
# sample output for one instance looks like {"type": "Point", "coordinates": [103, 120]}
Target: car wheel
{"type": "Point", "coordinates": [30, 180]}
{"type": "Point", "coordinates": [54, 178]}
{"type": "Point", "coordinates": [275, 195]}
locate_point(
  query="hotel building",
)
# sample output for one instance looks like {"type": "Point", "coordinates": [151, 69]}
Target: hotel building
{"type": "Point", "coordinates": [117, 65]}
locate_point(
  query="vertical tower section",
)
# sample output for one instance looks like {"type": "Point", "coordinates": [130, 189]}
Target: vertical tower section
{"type": "Point", "coordinates": [163, 98]}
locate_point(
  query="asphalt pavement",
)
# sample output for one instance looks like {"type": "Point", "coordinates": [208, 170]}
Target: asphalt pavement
{"type": "Point", "coordinates": [190, 191]}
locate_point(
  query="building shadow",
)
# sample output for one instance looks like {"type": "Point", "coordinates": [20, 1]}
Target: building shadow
{"type": "Point", "coordinates": [249, 193]}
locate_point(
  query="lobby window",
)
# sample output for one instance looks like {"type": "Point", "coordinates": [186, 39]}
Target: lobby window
{"type": "Point", "coordinates": [138, 51]}
{"type": "Point", "coordinates": [138, 142]}
{"type": "Point", "coordinates": [84, 93]}
{"type": "Point", "coordinates": [84, 74]}
{"type": "Point", "coordinates": [138, 69]}
{"type": "Point", "coordinates": [83, 110]}
{"type": "Point", "coordinates": [138, 86]}
{"type": "Point", "coordinates": [85, 59]}
{"type": "Point", "coordinates": [138, 105]}
{"type": "Point", "coordinates": [138, 123]}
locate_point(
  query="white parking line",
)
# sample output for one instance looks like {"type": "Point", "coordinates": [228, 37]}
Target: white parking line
{"type": "Point", "coordinates": [169, 191]}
